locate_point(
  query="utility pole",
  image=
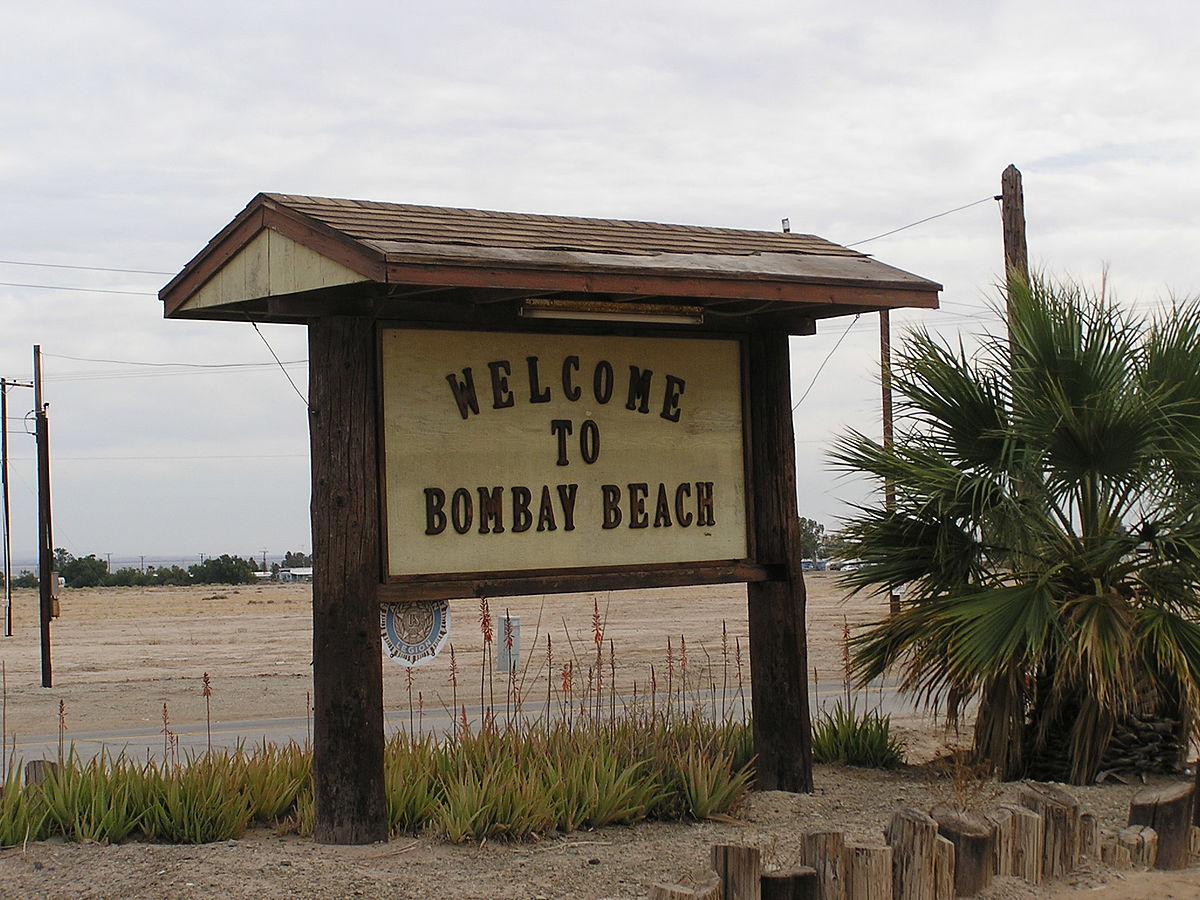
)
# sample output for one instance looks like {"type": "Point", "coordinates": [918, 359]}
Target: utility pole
{"type": "Point", "coordinates": [7, 517]}
{"type": "Point", "coordinates": [885, 379]}
{"type": "Point", "coordinates": [1012, 215]}
{"type": "Point", "coordinates": [5, 509]}
{"type": "Point", "coordinates": [47, 577]}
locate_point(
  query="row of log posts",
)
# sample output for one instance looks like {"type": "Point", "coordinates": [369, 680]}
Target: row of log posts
{"type": "Point", "coordinates": [953, 852]}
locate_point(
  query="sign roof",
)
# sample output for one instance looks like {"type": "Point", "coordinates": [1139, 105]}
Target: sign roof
{"type": "Point", "coordinates": [288, 257]}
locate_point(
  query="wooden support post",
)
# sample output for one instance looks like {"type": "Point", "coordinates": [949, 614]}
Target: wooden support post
{"type": "Point", "coordinates": [1168, 810]}
{"type": "Point", "coordinates": [1116, 855]}
{"type": "Point", "coordinates": [868, 872]}
{"type": "Point", "coordinates": [1089, 835]}
{"type": "Point", "coordinates": [825, 852]}
{"type": "Point", "coordinates": [710, 890]}
{"type": "Point", "coordinates": [912, 835]}
{"type": "Point", "coordinates": [778, 645]}
{"type": "Point", "coordinates": [38, 770]}
{"type": "Point", "coordinates": [739, 869]}
{"type": "Point", "coordinates": [943, 869]}
{"type": "Point", "coordinates": [1195, 840]}
{"type": "Point", "coordinates": [1142, 843]}
{"type": "Point", "coordinates": [1002, 837]}
{"type": "Point", "coordinates": [797, 884]}
{"type": "Point", "coordinates": [1027, 852]}
{"type": "Point", "coordinates": [347, 658]}
{"type": "Point", "coordinates": [1060, 827]}
{"type": "Point", "coordinates": [974, 847]}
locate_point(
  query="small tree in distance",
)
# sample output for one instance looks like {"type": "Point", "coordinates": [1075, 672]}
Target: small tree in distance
{"type": "Point", "coordinates": [811, 532]}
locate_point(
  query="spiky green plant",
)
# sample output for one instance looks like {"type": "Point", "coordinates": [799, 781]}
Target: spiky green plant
{"type": "Point", "coordinates": [23, 813]}
{"type": "Point", "coordinates": [102, 800]}
{"type": "Point", "coordinates": [711, 784]}
{"type": "Point", "coordinates": [271, 778]}
{"type": "Point", "coordinates": [199, 802]}
{"type": "Point", "coordinates": [846, 735]}
{"type": "Point", "coordinates": [1046, 526]}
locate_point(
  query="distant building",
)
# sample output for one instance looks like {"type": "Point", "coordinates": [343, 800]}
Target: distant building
{"type": "Point", "coordinates": [299, 574]}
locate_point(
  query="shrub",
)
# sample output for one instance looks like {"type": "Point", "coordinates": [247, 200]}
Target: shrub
{"type": "Point", "coordinates": [857, 739]}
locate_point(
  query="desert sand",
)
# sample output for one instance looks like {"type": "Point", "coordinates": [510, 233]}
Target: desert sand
{"type": "Point", "coordinates": [119, 655]}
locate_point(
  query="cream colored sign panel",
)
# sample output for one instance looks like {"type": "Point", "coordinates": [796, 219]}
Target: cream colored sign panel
{"type": "Point", "coordinates": [531, 451]}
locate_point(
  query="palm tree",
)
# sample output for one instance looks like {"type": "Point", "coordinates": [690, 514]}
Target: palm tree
{"type": "Point", "coordinates": [1046, 527]}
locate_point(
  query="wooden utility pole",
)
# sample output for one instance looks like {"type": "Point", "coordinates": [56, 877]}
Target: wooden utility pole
{"type": "Point", "coordinates": [1012, 213]}
{"type": "Point", "coordinates": [778, 644]}
{"type": "Point", "coordinates": [351, 807]}
{"type": "Point", "coordinates": [5, 510]}
{"type": "Point", "coordinates": [885, 379]}
{"type": "Point", "coordinates": [46, 573]}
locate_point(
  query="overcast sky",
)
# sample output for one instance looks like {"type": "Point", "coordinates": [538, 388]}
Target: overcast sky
{"type": "Point", "coordinates": [130, 133]}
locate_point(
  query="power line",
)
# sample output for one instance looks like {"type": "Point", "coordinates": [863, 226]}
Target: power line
{"type": "Point", "coordinates": [824, 361]}
{"type": "Point", "coordinates": [922, 221]}
{"type": "Point", "coordinates": [59, 287]}
{"type": "Point", "coordinates": [41, 265]}
{"type": "Point", "coordinates": [282, 368]}
{"type": "Point", "coordinates": [131, 362]}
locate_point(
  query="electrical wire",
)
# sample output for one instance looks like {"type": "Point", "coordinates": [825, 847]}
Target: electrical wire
{"type": "Point", "coordinates": [824, 361]}
{"type": "Point", "coordinates": [41, 265]}
{"type": "Point", "coordinates": [130, 362]}
{"type": "Point", "coordinates": [282, 368]}
{"type": "Point", "coordinates": [59, 287]}
{"type": "Point", "coordinates": [923, 221]}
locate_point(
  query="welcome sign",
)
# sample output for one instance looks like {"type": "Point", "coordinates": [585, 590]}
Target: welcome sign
{"type": "Point", "coordinates": [517, 452]}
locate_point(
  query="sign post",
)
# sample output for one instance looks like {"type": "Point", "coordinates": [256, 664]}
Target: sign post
{"type": "Point", "coordinates": [347, 662]}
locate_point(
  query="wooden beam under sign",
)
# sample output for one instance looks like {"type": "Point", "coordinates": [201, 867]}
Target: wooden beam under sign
{"type": "Point", "coordinates": [778, 642]}
{"type": "Point", "coordinates": [348, 789]}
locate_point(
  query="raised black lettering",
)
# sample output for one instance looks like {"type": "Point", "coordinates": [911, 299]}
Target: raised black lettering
{"type": "Point", "coordinates": [662, 509]}
{"type": "Point", "coordinates": [670, 407]}
{"type": "Point", "coordinates": [704, 504]}
{"type": "Point", "coordinates": [435, 510]}
{"type": "Point", "coordinates": [502, 397]}
{"type": "Point", "coordinates": [537, 394]}
{"type": "Point", "coordinates": [560, 428]}
{"type": "Point", "coordinates": [602, 381]}
{"type": "Point", "coordinates": [462, 510]}
{"type": "Point", "coordinates": [491, 510]}
{"type": "Point", "coordinates": [464, 392]}
{"type": "Point", "coordinates": [566, 498]}
{"type": "Point", "coordinates": [610, 496]}
{"type": "Point", "coordinates": [589, 441]}
{"type": "Point", "coordinates": [637, 505]}
{"type": "Point", "coordinates": [546, 511]}
{"type": "Point", "coordinates": [683, 493]}
{"type": "Point", "coordinates": [639, 389]}
{"type": "Point", "coordinates": [570, 390]}
{"type": "Point", "coordinates": [522, 517]}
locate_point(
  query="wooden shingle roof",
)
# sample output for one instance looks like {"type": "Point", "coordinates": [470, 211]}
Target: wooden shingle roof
{"type": "Point", "coordinates": [380, 223]}
{"type": "Point", "coordinates": [287, 257]}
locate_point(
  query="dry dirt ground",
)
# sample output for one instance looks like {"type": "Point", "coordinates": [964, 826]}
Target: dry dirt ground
{"type": "Point", "coordinates": [120, 654]}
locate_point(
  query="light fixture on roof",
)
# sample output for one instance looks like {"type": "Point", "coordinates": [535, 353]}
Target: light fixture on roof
{"type": "Point", "coordinates": [608, 311]}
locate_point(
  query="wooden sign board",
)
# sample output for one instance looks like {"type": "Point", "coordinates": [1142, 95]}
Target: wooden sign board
{"type": "Point", "coordinates": [513, 452]}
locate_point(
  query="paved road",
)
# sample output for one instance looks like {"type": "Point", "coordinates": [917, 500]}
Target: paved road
{"type": "Point", "coordinates": [194, 737]}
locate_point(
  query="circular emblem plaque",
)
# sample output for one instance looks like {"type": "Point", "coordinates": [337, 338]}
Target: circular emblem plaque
{"type": "Point", "coordinates": [415, 632]}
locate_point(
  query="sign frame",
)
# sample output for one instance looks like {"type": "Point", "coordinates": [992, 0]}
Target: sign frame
{"type": "Point", "coordinates": [539, 580]}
